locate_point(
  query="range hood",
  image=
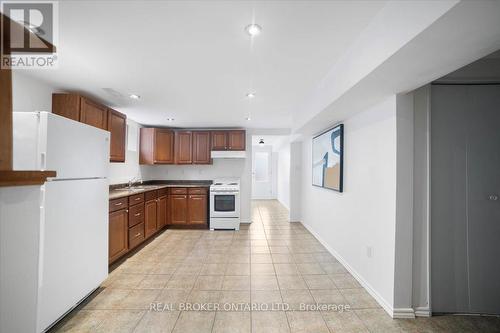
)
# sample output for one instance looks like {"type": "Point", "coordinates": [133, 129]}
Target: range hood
{"type": "Point", "coordinates": [228, 154]}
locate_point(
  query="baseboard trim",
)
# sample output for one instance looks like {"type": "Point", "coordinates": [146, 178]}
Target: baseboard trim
{"type": "Point", "coordinates": [394, 313]}
{"type": "Point", "coordinates": [423, 312]}
{"type": "Point", "coordinates": [403, 313]}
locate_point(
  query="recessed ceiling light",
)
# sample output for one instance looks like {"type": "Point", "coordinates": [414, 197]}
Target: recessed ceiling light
{"type": "Point", "coordinates": [251, 95]}
{"type": "Point", "coordinates": [134, 96]}
{"type": "Point", "coordinates": [170, 119]}
{"type": "Point", "coordinates": [253, 29]}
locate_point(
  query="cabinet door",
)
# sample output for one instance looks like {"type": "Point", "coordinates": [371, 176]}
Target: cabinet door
{"type": "Point", "coordinates": [179, 208]}
{"type": "Point", "coordinates": [219, 140]}
{"type": "Point", "coordinates": [183, 147]}
{"type": "Point", "coordinates": [118, 230]}
{"type": "Point", "coordinates": [93, 114]}
{"type": "Point", "coordinates": [163, 146]}
{"type": "Point", "coordinates": [162, 208]}
{"type": "Point", "coordinates": [201, 147]}
{"type": "Point", "coordinates": [66, 105]}
{"type": "Point", "coordinates": [150, 217]}
{"type": "Point", "coordinates": [117, 126]}
{"type": "Point", "coordinates": [197, 209]}
{"type": "Point", "coordinates": [236, 140]}
{"type": "Point", "coordinates": [169, 211]}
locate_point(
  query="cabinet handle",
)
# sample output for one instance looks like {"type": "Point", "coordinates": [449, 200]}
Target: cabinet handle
{"type": "Point", "coordinates": [138, 214]}
{"type": "Point", "coordinates": [137, 235]}
{"type": "Point", "coordinates": [119, 204]}
{"type": "Point", "coordinates": [137, 199]}
{"type": "Point", "coordinates": [126, 210]}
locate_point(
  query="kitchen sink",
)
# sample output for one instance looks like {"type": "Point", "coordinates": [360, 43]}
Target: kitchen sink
{"type": "Point", "coordinates": [136, 188]}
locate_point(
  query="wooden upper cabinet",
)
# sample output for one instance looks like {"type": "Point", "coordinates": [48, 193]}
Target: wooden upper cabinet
{"type": "Point", "coordinates": [93, 114]}
{"type": "Point", "coordinates": [66, 105]}
{"type": "Point", "coordinates": [236, 140]}
{"type": "Point", "coordinates": [164, 146]}
{"type": "Point", "coordinates": [201, 147]}
{"type": "Point", "coordinates": [117, 126]}
{"type": "Point", "coordinates": [219, 140]}
{"type": "Point", "coordinates": [197, 209]}
{"type": "Point", "coordinates": [156, 146]}
{"type": "Point", "coordinates": [183, 147]}
{"type": "Point", "coordinates": [229, 140]}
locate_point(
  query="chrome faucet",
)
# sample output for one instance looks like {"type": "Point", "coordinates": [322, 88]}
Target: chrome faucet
{"type": "Point", "coordinates": [134, 181]}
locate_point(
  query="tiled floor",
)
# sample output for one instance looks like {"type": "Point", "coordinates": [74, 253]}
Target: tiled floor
{"type": "Point", "coordinates": [236, 275]}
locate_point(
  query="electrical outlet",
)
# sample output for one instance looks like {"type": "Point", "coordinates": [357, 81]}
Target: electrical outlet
{"type": "Point", "coordinates": [369, 251]}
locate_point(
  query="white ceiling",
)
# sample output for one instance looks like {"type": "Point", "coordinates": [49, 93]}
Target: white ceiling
{"type": "Point", "coordinates": [192, 60]}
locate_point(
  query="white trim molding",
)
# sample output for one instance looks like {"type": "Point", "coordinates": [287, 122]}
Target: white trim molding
{"type": "Point", "coordinates": [403, 313]}
{"type": "Point", "coordinates": [423, 312]}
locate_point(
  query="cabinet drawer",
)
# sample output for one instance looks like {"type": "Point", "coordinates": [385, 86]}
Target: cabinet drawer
{"type": "Point", "coordinates": [178, 190]}
{"type": "Point", "coordinates": [135, 215]}
{"type": "Point", "coordinates": [118, 204]}
{"type": "Point", "coordinates": [151, 195]}
{"type": "Point", "coordinates": [135, 199]}
{"type": "Point", "coordinates": [197, 190]}
{"type": "Point", "coordinates": [135, 235]}
{"type": "Point", "coordinates": [162, 191]}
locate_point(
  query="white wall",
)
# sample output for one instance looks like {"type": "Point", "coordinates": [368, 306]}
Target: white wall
{"type": "Point", "coordinates": [364, 216]}
{"type": "Point", "coordinates": [283, 175]}
{"type": "Point", "coordinates": [29, 94]}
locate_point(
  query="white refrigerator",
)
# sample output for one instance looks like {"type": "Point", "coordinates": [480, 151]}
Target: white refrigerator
{"type": "Point", "coordinates": [70, 231]}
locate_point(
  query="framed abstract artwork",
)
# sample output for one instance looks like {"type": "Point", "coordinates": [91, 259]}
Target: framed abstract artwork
{"type": "Point", "coordinates": [328, 159]}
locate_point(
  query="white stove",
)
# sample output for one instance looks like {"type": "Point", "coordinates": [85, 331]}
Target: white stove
{"type": "Point", "coordinates": [225, 204]}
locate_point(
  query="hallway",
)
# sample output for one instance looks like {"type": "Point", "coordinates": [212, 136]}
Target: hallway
{"type": "Point", "coordinates": [258, 271]}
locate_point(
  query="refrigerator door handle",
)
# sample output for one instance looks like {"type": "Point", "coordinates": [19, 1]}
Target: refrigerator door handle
{"type": "Point", "coordinates": [43, 161]}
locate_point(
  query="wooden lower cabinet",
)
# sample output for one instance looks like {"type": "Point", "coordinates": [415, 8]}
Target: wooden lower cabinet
{"type": "Point", "coordinates": [134, 219]}
{"type": "Point", "coordinates": [162, 210]}
{"type": "Point", "coordinates": [197, 209]}
{"type": "Point", "coordinates": [178, 204]}
{"type": "Point", "coordinates": [150, 218]}
{"type": "Point", "coordinates": [190, 208]}
{"type": "Point", "coordinates": [136, 235]}
{"type": "Point", "coordinates": [118, 234]}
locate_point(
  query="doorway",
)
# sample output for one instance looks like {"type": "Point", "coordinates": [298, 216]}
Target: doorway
{"type": "Point", "coordinates": [465, 204]}
{"type": "Point", "coordinates": [262, 173]}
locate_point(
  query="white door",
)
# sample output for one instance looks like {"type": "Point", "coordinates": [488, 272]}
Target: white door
{"type": "Point", "coordinates": [262, 173]}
